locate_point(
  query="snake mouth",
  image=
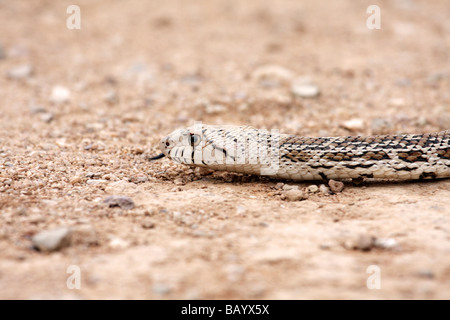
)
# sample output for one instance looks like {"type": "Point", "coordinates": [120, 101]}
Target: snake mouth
{"type": "Point", "coordinates": [162, 155]}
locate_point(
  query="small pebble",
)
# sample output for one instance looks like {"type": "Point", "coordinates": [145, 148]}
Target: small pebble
{"type": "Point", "coordinates": [273, 73]}
{"type": "Point", "coordinates": [240, 210]}
{"type": "Point", "coordinates": [52, 240]}
{"type": "Point", "coordinates": [312, 188]}
{"type": "Point", "coordinates": [47, 117]}
{"type": "Point", "coordinates": [160, 289]}
{"type": "Point", "coordinates": [84, 234]}
{"type": "Point", "coordinates": [36, 219]}
{"type": "Point", "coordinates": [111, 97]}
{"type": "Point", "coordinates": [142, 179]}
{"type": "Point", "coordinates": [354, 124]}
{"type": "Point", "coordinates": [305, 90]}
{"type": "Point", "coordinates": [119, 201]}
{"type": "Point", "coordinates": [324, 189]}
{"type": "Point", "coordinates": [118, 243]}
{"type": "Point", "coordinates": [427, 274]}
{"type": "Point", "coordinates": [362, 243]}
{"type": "Point", "coordinates": [96, 181]}
{"type": "Point", "coordinates": [59, 94]}
{"type": "Point", "coordinates": [287, 187]}
{"type": "Point", "coordinates": [279, 185]}
{"type": "Point", "coordinates": [380, 126]}
{"type": "Point", "coordinates": [20, 72]}
{"type": "Point", "coordinates": [179, 182]}
{"type": "Point", "coordinates": [386, 243]}
{"type": "Point", "coordinates": [148, 224]}
{"type": "Point", "coordinates": [335, 186]}
{"type": "Point", "coordinates": [215, 108]}
{"type": "Point", "coordinates": [75, 180]}
{"type": "Point", "coordinates": [295, 195]}
{"type": "Point", "coordinates": [365, 242]}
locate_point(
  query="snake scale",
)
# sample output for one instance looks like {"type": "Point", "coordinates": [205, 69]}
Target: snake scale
{"type": "Point", "coordinates": [261, 152]}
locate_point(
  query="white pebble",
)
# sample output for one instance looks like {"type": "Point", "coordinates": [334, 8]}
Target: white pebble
{"type": "Point", "coordinates": [354, 124]}
{"type": "Point", "coordinates": [20, 72]}
{"type": "Point", "coordinates": [312, 188]}
{"type": "Point", "coordinates": [60, 94]}
{"type": "Point", "coordinates": [324, 189]}
{"type": "Point", "coordinates": [52, 240]}
{"type": "Point", "coordinates": [295, 195]}
{"type": "Point", "coordinates": [305, 90]}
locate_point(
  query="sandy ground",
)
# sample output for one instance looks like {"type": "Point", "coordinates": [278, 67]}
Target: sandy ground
{"type": "Point", "coordinates": [82, 110]}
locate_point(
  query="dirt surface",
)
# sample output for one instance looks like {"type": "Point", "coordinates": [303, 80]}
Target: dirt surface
{"type": "Point", "coordinates": [82, 110]}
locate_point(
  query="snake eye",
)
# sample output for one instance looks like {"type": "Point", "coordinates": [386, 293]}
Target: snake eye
{"type": "Point", "coordinates": [195, 139]}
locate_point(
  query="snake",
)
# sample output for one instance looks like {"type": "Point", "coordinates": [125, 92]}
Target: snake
{"type": "Point", "coordinates": [248, 150]}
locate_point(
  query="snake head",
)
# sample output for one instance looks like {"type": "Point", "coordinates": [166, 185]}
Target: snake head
{"type": "Point", "coordinates": [182, 145]}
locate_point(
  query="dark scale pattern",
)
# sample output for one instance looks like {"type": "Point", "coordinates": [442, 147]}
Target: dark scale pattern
{"type": "Point", "coordinates": [413, 156]}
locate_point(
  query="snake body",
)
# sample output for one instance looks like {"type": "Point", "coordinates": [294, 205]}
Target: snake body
{"type": "Point", "coordinates": [261, 152]}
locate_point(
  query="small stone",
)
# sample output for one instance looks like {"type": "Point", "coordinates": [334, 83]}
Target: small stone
{"type": "Point", "coordinates": [90, 174]}
{"type": "Point", "coordinates": [52, 240]}
{"type": "Point", "coordinates": [305, 90]}
{"type": "Point", "coordinates": [21, 211]}
{"type": "Point", "coordinates": [75, 180]}
{"type": "Point", "coordinates": [47, 117]}
{"type": "Point", "coordinates": [295, 195]}
{"type": "Point", "coordinates": [59, 94]}
{"type": "Point", "coordinates": [138, 150]}
{"type": "Point", "coordinates": [36, 219]}
{"type": "Point", "coordinates": [354, 124]}
{"type": "Point", "coordinates": [118, 243]}
{"type": "Point", "coordinates": [335, 186]}
{"type": "Point", "coordinates": [324, 189]}
{"type": "Point", "coordinates": [85, 234]}
{"type": "Point", "coordinates": [240, 210]}
{"type": "Point", "coordinates": [312, 188]}
{"type": "Point", "coordinates": [111, 97]}
{"type": "Point", "coordinates": [386, 243]}
{"type": "Point", "coordinates": [380, 126]}
{"type": "Point", "coordinates": [35, 109]}
{"type": "Point", "coordinates": [123, 202]}
{"type": "Point", "coordinates": [215, 108]}
{"type": "Point", "coordinates": [96, 181]}
{"type": "Point", "coordinates": [362, 243]}
{"type": "Point", "coordinates": [148, 224]}
{"type": "Point", "coordinates": [179, 182]}
{"type": "Point", "coordinates": [427, 274]}
{"type": "Point", "coordinates": [161, 289]}
{"type": "Point", "coordinates": [20, 72]}
{"type": "Point", "coordinates": [365, 242]}
{"type": "Point", "coordinates": [141, 179]}
{"type": "Point", "coordinates": [279, 185]}
{"type": "Point", "coordinates": [288, 187]}
{"type": "Point", "coordinates": [325, 246]}
{"type": "Point", "coordinates": [272, 73]}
